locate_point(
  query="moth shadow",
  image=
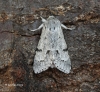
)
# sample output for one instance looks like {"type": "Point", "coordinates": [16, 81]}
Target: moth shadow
{"type": "Point", "coordinates": [49, 73]}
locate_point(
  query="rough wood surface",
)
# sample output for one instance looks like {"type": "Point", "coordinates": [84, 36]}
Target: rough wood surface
{"type": "Point", "coordinates": [18, 45]}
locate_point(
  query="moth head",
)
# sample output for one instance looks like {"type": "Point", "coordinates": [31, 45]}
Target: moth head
{"type": "Point", "coordinates": [51, 17]}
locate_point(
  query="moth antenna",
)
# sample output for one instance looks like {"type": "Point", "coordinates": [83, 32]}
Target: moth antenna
{"type": "Point", "coordinates": [67, 27]}
{"type": "Point", "coordinates": [43, 20]}
{"type": "Point", "coordinates": [38, 28]}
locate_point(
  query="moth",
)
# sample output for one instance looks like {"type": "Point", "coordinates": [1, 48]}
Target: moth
{"type": "Point", "coordinates": [52, 49]}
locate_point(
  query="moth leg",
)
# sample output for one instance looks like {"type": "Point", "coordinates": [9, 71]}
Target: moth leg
{"type": "Point", "coordinates": [67, 27]}
{"type": "Point", "coordinates": [43, 20]}
{"type": "Point", "coordinates": [38, 28]}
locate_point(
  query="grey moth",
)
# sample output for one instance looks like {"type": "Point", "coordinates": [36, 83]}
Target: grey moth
{"type": "Point", "coordinates": [52, 48]}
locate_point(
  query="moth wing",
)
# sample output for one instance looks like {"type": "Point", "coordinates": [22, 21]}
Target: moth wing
{"type": "Point", "coordinates": [39, 66]}
{"type": "Point", "coordinates": [62, 62]}
{"type": "Point", "coordinates": [42, 61]}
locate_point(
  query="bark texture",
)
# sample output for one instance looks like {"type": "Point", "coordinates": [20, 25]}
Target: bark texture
{"type": "Point", "coordinates": [18, 45]}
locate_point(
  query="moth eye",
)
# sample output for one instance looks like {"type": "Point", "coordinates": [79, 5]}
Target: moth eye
{"type": "Point", "coordinates": [54, 28]}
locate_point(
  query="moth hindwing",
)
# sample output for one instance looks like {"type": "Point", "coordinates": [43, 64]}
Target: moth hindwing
{"type": "Point", "coordinates": [52, 49]}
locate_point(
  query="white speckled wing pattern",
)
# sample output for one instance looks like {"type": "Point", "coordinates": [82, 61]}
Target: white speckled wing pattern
{"type": "Point", "coordinates": [52, 48]}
